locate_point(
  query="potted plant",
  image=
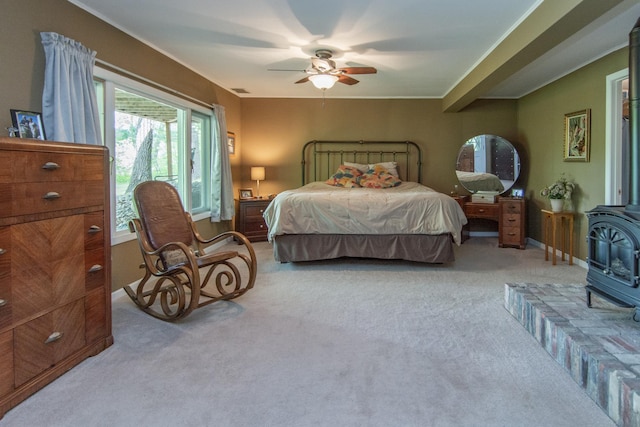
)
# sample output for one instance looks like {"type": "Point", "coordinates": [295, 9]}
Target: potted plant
{"type": "Point", "coordinates": [558, 192]}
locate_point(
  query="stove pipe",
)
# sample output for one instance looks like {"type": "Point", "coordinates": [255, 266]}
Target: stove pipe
{"type": "Point", "coordinates": [634, 119]}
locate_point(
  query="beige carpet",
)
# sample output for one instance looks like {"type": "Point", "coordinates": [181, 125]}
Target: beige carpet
{"type": "Point", "coordinates": [341, 343]}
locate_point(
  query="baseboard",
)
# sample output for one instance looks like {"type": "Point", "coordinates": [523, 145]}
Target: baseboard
{"type": "Point", "coordinates": [576, 261]}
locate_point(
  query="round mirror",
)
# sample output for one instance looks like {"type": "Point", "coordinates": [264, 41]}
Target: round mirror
{"type": "Point", "coordinates": [487, 163]}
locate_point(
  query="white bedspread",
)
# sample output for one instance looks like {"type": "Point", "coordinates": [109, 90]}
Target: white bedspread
{"type": "Point", "coordinates": [319, 208]}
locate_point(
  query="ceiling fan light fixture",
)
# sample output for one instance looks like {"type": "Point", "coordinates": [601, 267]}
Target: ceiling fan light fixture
{"type": "Point", "coordinates": [323, 81]}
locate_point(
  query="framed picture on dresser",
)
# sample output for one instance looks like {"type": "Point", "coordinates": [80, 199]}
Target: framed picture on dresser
{"type": "Point", "coordinates": [28, 123]}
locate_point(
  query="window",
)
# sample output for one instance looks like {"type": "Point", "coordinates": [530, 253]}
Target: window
{"type": "Point", "coordinates": [152, 135]}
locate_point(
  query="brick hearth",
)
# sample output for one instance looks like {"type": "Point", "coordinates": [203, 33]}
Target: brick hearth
{"type": "Point", "coordinates": [599, 347]}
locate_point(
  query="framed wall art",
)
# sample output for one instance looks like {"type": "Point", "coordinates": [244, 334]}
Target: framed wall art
{"type": "Point", "coordinates": [577, 136]}
{"type": "Point", "coordinates": [231, 142]}
{"type": "Point", "coordinates": [28, 123]}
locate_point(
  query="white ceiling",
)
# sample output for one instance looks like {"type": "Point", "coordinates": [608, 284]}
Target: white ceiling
{"type": "Point", "coordinates": [421, 48]}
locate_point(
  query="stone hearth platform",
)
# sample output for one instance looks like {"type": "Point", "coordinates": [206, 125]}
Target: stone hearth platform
{"type": "Point", "coordinates": [599, 346]}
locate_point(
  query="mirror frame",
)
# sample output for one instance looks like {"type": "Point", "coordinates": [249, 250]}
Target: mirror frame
{"type": "Point", "coordinates": [488, 151]}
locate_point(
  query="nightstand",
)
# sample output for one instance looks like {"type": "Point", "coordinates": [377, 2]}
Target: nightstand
{"type": "Point", "coordinates": [249, 220]}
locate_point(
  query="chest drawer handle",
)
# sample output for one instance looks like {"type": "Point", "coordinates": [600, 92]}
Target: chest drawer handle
{"type": "Point", "coordinates": [54, 337]}
{"type": "Point", "coordinates": [50, 166]}
{"type": "Point", "coordinates": [481, 210]}
{"type": "Point", "coordinates": [511, 219]}
{"type": "Point", "coordinates": [94, 268]}
{"type": "Point", "coordinates": [3, 251]}
{"type": "Point", "coordinates": [3, 302]}
{"type": "Point", "coordinates": [51, 195]}
{"type": "Point", "coordinates": [95, 229]}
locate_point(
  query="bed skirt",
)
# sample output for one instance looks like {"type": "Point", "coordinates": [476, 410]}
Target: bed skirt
{"type": "Point", "coordinates": [410, 247]}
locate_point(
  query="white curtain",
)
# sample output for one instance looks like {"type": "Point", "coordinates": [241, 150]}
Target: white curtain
{"type": "Point", "coordinates": [69, 106]}
{"type": "Point", "coordinates": [222, 204]}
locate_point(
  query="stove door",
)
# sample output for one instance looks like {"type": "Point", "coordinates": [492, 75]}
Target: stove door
{"type": "Point", "coordinates": [613, 252]}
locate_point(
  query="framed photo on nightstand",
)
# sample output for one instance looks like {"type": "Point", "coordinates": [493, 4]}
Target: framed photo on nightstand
{"type": "Point", "coordinates": [245, 193]}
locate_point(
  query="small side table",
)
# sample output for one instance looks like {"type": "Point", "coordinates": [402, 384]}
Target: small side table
{"type": "Point", "coordinates": [566, 225]}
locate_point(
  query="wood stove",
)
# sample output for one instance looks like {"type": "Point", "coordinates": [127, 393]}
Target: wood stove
{"type": "Point", "coordinates": [614, 256]}
{"type": "Point", "coordinates": [613, 239]}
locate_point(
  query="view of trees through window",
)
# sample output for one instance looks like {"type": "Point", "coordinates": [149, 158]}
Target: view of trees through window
{"type": "Point", "coordinates": [152, 135]}
{"type": "Point", "coordinates": [146, 148]}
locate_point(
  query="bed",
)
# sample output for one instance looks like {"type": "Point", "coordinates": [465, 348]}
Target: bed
{"type": "Point", "coordinates": [406, 220]}
{"type": "Point", "coordinates": [480, 181]}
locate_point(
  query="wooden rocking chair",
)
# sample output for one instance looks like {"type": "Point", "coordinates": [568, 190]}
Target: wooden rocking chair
{"type": "Point", "coordinates": [175, 258]}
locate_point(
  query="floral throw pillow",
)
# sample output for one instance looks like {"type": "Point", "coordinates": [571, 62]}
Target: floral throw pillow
{"type": "Point", "coordinates": [378, 177]}
{"type": "Point", "coordinates": [345, 176]}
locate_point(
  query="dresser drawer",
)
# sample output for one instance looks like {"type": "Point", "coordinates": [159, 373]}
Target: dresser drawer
{"type": "Point", "coordinates": [255, 210]}
{"type": "Point", "coordinates": [511, 207]}
{"type": "Point", "coordinates": [46, 340]}
{"type": "Point", "coordinates": [53, 167]}
{"type": "Point", "coordinates": [39, 197]}
{"type": "Point", "coordinates": [512, 220]}
{"type": "Point", "coordinates": [511, 236]}
{"type": "Point", "coordinates": [251, 226]}
{"type": "Point", "coordinates": [481, 210]}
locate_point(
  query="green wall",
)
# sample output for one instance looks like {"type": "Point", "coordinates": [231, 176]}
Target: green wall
{"type": "Point", "coordinates": [541, 130]}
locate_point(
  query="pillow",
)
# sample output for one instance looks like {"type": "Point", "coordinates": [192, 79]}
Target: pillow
{"type": "Point", "coordinates": [391, 167]}
{"type": "Point", "coordinates": [362, 168]}
{"type": "Point", "coordinates": [345, 176]}
{"type": "Point", "coordinates": [378, 177]}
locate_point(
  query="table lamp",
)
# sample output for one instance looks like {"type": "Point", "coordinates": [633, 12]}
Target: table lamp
{"type": "Point", "coordinates": [257, 174]}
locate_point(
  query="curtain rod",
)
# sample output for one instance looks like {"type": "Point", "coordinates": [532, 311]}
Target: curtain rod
{"type": "Point", "coordinates": [167, 89]}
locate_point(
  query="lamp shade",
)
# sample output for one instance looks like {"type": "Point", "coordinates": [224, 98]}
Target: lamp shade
{"type": "Point", "coordinates": [257, 173]}
{"type": "Point", "coordinates": [323, 81]}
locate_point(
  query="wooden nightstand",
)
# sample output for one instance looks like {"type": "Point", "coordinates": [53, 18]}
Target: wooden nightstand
{"type": "Point", "coordinates": [249, 220]}
{"type": "Point", "coordinates": [511, 222]}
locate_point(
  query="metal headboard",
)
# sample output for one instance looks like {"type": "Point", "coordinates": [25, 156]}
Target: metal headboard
{"type": "Point", "coordinates": [320, 159]}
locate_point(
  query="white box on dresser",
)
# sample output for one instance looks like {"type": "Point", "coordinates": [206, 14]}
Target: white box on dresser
{"type": "Point", "coordinates": [55, 262]}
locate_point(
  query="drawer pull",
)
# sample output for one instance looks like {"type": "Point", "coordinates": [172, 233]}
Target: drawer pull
{"type": "Point", "coordinates": [3, 302]}
{"type": "Point", "coordinates": [54, 337]}
{"type": "Point", "coordinates": [94, 268]}
{"type": "Point", "coordinates": [511, 219]}
{"type": "Point", "coordinates": [95, 229]}
{"type": "Point", "coordinates": [50, 166]}
{"type": "Point", "coordinates": [481, 210]}
{"type": "Point", "coordinates": [51, 195]}
{"type": "Point", "coordinates": [3, 251]}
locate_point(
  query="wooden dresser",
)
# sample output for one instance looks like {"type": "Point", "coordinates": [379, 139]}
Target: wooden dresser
{"type": "Point", "coordinates": [249, 220]}
{"type": "Point", "coordinates": [508, 212]}
{"type": "Point", "coordinates": [55, 268]}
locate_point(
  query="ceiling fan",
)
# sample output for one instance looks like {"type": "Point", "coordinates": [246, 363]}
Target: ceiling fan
{"type": "Point", "coordinates": [323, 72]}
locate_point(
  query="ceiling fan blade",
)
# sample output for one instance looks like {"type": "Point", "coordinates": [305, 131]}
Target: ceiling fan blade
{"type": "Point", "coordinates": [347, 80]}
{"type": "Point", "coordinates": [306, 79]}
{"type": "Point", "coordinates": [282, 69]}
{"type": "Point", "coordinates": [359, 70]}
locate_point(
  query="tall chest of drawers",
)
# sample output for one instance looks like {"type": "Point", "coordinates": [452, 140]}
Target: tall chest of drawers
{"type": "Point", "coordinates": [55, 268]}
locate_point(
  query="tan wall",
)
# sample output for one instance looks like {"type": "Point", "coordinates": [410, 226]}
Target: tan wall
{"type": "Point", "coordinates": [271, 132]}
{"type": "Point", "coordinates": [541, 124]}
{"type": "Point", "coordinates": [275, 130]}
{"type": "Point", "coordinates": [22, 80]}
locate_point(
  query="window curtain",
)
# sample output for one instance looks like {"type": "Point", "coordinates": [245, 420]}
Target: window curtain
{"type": "Point", "coordinates": [69, 106]}
{"type": "Point", "coordinates": [222, 203]}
